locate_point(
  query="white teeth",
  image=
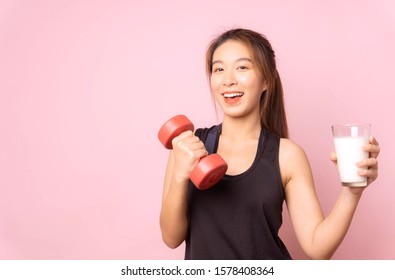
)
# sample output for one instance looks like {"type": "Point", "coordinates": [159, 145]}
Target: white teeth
{"type": "Point", "coordinates": [233, 94]}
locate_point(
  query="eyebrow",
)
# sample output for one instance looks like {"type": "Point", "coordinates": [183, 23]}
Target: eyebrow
{"type": "Point", "coordinates": [237, 60]}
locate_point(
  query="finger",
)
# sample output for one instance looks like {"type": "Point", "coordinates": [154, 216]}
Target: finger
{"type": "Point", "coordinates": [197, 154]}
{"type": "Point", "coordinates": [189, 145]}
{"type": "Point", "coordinates": [370, 163]}
{"type": "Point", "coordinates": [373, 140]}
{"type": "Point", "coordinates": [333, 157]}
{"type": "Point", "coordinates": [201, 153]}
{"type": "Point", "coordinates": [184, 135]}
{"type": "Point", "coordinates": [369, 173]}
{"type": "Point", "coordinates": [185, 138]}
{"type": "Point", "coordinates": [373, 148]}
{"type": "Point", "coordinates": [195, 145]}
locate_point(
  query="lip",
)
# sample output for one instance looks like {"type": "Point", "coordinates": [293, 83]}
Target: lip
{"type": "Point", "coordinates": [232, 97]}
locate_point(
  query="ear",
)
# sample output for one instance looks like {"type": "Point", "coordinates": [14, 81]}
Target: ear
{"type": "Point", "coordinates": [264, 86]}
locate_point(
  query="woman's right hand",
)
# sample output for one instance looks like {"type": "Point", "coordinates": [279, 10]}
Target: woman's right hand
{"type": "Point", "coordinates": [187, 150]}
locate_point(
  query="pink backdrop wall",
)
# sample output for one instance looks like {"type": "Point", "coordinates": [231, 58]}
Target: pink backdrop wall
{"type": "Point", "coordinates": [85, 85]}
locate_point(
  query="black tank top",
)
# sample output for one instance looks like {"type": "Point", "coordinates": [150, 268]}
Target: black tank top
{"type": "Point", "coordinates": [239, 217]}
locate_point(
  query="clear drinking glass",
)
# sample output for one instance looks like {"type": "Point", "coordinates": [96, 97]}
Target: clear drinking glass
{"type": "Point", "coordinates": [348, 140]}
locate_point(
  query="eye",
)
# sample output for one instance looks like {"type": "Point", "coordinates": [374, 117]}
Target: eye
{"type": "Point", "coordinates": [218, 69]}
{"type": "Point", "coordinates": [242, 67]}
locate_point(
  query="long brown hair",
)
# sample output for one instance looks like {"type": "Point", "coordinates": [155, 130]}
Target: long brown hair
{"type": "Point", "coordinates": [272, 111]}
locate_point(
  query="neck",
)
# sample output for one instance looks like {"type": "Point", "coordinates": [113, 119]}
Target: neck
{"type": "Point", "coordinates": [241, 128]}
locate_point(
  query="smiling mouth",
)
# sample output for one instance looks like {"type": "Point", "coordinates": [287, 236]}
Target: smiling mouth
{"type": "Point", "coordinates": [232, 97]}
{"type": "Point", "coordinates": [232, 94]}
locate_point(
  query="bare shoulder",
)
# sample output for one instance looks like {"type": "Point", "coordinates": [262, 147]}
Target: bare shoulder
{"type": "Point", "coordinates": [289, 149]}
{"type": "Point", "coordinates": [292, 159]}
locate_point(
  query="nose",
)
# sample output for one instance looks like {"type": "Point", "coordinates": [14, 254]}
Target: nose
{"type": "Point", "coordinates": [229, 79]}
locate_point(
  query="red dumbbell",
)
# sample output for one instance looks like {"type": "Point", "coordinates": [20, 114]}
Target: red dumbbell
{"type": "Point", "coordinates": [210, 169]}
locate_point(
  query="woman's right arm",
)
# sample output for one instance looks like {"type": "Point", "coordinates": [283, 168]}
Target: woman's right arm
{"type": "Point", "coordinates": [186, 152]}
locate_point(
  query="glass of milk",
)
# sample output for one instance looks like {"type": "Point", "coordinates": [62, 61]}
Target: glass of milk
{"type": "Point", "coordinates": [348, 140]}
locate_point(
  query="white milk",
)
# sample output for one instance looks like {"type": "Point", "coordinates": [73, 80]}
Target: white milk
{"type": "Point", "coordinates": [349, 152]}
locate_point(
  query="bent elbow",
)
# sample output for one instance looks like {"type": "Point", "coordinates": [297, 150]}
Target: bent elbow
{"type": "Point", "coordinates": [172, 243]}
{"type": "Point", "coordinates": [319, 255]}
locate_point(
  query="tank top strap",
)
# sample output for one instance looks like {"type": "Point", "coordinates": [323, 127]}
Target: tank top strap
{"type": "Point", "coordinates": [209, 136]}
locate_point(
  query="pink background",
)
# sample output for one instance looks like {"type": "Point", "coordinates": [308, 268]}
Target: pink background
{"type": "Point", "coordinates": [85, 86]}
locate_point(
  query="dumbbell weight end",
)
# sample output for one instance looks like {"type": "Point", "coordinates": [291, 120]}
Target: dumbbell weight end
{"type": "Point", "coordinates": [208, 171]}
{"type": "Point", "coordinates": [172, 128]}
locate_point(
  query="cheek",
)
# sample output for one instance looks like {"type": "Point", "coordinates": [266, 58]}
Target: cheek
{"type": "Point", "coordinates": [215, 83]}
{"type": "Point", "coordinates": [244, 79]}
{"type": "Point", "coordinates": [252, 82]}
{"type": "Point", "coordinates": [248, 81]}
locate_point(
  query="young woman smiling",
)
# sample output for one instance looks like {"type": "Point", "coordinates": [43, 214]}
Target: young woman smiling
{"type": "Point", "coordinates": [240, 217]}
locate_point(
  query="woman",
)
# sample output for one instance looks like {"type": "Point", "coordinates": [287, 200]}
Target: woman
{"type": "Point", "coordinates": [239, 218]}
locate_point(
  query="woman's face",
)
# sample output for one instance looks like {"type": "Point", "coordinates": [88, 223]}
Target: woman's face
{"type": "Point", "coordinates": [235, 80]}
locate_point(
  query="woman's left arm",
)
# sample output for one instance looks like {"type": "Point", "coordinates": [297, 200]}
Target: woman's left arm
{"type": "Point", "coordinates": [319, 236]}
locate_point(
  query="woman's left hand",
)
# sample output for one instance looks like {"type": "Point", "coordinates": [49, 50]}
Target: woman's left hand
{"type": "Point", "coordinates": [371, 164]}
